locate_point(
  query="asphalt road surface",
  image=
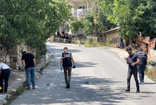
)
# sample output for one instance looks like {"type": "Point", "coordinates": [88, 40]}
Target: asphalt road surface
{"type": "Point", "coordinates": [99, 79]}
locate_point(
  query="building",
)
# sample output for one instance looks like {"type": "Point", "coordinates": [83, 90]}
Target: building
{"type": "Point", "coordinates": [112, 36]}
{"type": "Point", "coordinates": [80, 7]}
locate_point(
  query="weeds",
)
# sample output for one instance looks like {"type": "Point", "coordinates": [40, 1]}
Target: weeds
{"type": "Point", "coordinates": [151, 70]}
{"type": "Point", "coordinates": [151, 62]}
{"type": "Point", "coordinates": [12, 95]}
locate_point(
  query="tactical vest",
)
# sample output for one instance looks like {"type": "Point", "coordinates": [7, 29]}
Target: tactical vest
{"type": "Point", "coordinates": [66, 56]}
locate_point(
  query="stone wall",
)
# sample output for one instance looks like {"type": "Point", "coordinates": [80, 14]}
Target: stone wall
{"type": "Point", "coordinates": [13, 57]}
{"type": "Point", "coordinates": [4, 55]}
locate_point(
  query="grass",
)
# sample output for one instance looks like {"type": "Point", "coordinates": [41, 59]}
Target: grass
{"type": "Point", "coordinates": [151, 70]}
{"type": "Point", "coordinates": [13, 95]}
{"type": "Point", "coordinates": [97, 44]}
{"type": "Point", "coordinates": [151, 62]}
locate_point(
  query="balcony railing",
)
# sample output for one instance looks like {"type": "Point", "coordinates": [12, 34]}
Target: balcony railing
{"type": "Point", "coordinates": [80, 12]}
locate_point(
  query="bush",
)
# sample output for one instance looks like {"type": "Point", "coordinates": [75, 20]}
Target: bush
{"type": "Point", "coordinates": [151, 72]}
{"type": "Point", "coordinates": [151, 62]}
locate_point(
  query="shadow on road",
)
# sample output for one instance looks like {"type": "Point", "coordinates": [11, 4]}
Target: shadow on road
{"type": "Point", "coordinates": [84, 90]}
{"type": "Point", "coordinates": [149, 83]}
{"type": "Point", "coordinates": [97, 90]}
{"type": "Point", "coordinates": [85, 64]}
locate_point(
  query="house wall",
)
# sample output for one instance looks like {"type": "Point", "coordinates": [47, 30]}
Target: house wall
{"type": "Point", "coordinates": [113, 37]}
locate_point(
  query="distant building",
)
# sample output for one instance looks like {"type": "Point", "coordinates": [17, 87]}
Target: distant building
{"type": "Point", "coordinates": [113, 36]}
{"type": "Point", "coordinates": [80, 7]}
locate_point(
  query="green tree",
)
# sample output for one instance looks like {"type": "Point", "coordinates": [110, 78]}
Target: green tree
{"type": "Point", "coordinates": [76, 25]}
{"type": "Point", "coordinates": [89, 23]}
{"type": "Point", "coordinates": [132, 16]}
{"type": "Point", "coordinates": [30, 21]}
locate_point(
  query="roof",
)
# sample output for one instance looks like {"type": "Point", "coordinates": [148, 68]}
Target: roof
{"type": "Point", "coordinates": [114, 29]}
{"type": "Point", "coordinates": [78, 2]}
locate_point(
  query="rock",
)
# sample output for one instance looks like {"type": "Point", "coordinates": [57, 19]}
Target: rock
{"type": "Point", "coordinates": [3, 99]}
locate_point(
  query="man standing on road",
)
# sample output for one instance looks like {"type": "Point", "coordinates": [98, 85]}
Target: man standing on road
{"type": "Point", "coordinates": [132, 61]}
{"type": "Point", "coordinates": [66, 63]}
{"type": "Point", "coordinates": [5, 73]}
{"type": "Point", "coordinates": [142, 65]}
{"type": "Point", "coordinates": [28, 61]}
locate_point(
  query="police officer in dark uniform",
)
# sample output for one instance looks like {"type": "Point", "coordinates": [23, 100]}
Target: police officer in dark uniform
{"type": "Point", "coordinates": [132, 61]}
{"type": "Point", "coordinates": [142, 65]}
{"type": "Point", "coordinates": [66, 62]}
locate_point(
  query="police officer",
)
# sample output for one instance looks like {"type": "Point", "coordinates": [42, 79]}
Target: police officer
{"type": "Point", "coordinates": [132, 61]}
{"type": "Point", "coordinates": [66, 62]}
{"type": "Point", "coordinates": [142, 65]}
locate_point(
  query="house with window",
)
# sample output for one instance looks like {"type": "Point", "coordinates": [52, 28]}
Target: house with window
{"type": "Point", "coordinates": [80, 7]}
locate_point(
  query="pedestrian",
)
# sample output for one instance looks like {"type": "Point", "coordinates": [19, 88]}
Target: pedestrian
{"type": "Point", "coordinates": [132, 61]}
{"type": "Point", "coordinates": [142, 65]}
{"type": "Point", "coordinates": [66, 62]}
{"type": "Point", "coordinates": [66, 37]}
{"type": "Point", "coordinates": [28, 62]}
{"type": "Point", "coordinates": [5, 73]}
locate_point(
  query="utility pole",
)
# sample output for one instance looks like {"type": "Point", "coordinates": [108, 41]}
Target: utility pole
{"type": "Point", "coordinates": [99, 20]}
{"type": "Point", "coordinates": [95, 19]}
{"type": "Point", "coordinates": [90, 3]}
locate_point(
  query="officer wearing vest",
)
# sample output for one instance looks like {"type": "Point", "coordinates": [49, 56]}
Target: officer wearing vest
{"type": "Point", "coordinates": [142, 65]}
{"type": "Point", "coordinates": [132, 61]}
{"type": "Point", "coordinates": [66, 62]}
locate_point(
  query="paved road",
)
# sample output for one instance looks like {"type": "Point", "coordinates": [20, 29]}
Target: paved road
{"type": "Point", "coordinates": [104, 70]}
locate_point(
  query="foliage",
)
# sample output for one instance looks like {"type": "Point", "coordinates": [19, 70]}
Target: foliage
{"type": "Point", "coordinates": [152, 62]}
{"type": "Point", "coordinates": [151, 72]}
{"type": "Point", "coordinates": [76, 25]}
{"type": "Point", "coordinates": [131, 16]}
{"type": "Point", "coordinates": [30, 21]}
{"type": "Point", "coordinates": [87, 23]}
{"type": "Point", "coordinates": [14, 94]}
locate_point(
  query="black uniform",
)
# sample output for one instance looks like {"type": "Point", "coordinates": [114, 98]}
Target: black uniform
{"type": "Point", "coordinates": [132, 70]}
{"type": "Point", "coordinates": [67, 66]}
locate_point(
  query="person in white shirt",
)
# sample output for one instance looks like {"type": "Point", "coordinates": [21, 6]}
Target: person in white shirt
{"type": "Point", "coordinates": [5, 73]}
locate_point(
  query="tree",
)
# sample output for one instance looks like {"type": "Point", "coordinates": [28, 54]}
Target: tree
{"type": "Point", "coordinates": [76, 25]}
{"type": "Point", "coordinates": [131, 16]}
{"type": "Point", "coordinates": [89, 23]}
{"type": "Point", "coordinates": [102, 23]}
{"type": "Point", "coordinates": [30, 21]}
